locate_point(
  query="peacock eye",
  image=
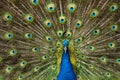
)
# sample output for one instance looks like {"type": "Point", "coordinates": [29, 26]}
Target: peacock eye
{"type": "Point", "coordinates": [35, 49]}
{"type": "Point", "coordinates": [94, 13]}
{"type": "Point", "coordinates": [78, 76]}
{"type": "Point", "coordinates": [103, 59]}
{"type": "Point", "coordinates": [83, 57]}
{"type": "Point", "coordinates": [50, 7]}
{"type": "Point", "coordinates": [37, 68]}
{"type": "Point", "coordinates": [54, 67]}
{"type": "Point", "coordinates": [8, 69]}
{"type": "Point", "coordinates": [59, 33]}
{"type": "Point", "coordinates": [34, 2]}
{"type": "Point", "coordinates": [113, 7]}
{"type": "Point", "coordinates": [107, 74]}
{"type": "Point", "coordinates": [13, 52]}
{"type": "Point", "coordinates": [58, 44]}
{"type": "Point", "coordinates": [48, 38]}
{"type": "Point", "coordinates": [44, 57]}
{"type": "Point", "coordinates": [78, 24]}
{"type": "Point", "coordinates": [28, 35]}
{"type": "Point", "coordinates": [47, 23]}
{"type": "Point", "coordinates": [91, 66]}
{"type": "Point", "coordinates": [78, 65]}
{"type": "Point", "coordinates": [114, 27]}
{"type": "Point", "coordinates": [96, 32]}
{"type": "Point", "coordinates": [8, 36]}
{"type": "Point", "coordinates": [23, 63]}
{"type": "Point", "coordinates": [62, 19]}
{"type": "Point", "coordinates": [29, 18]}
{"type": "Point", "coordinates": [118, 60]}
{"type": "Point", "coordinates": [21, 77]}
{"type": "Point", "coordinates": [52, 50]}
{"type": "Point", "coordinates": [91, 48]}
{"type": "Point", "coordinates": [68, 34]}
{"type": "Point", "coordinates": [111, 45]}
{"type": "Point", "coordinates": [72, 7]}
{"type": "Point", "coordinates": [7, 17]}
{"type": "Point", "coordinates": [79, 40]}
{"type": "Point", "coordinates": [54, 79]}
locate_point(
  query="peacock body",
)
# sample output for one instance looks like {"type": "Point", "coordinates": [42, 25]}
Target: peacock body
{"type": "Point", "coordinates": [59, 39]}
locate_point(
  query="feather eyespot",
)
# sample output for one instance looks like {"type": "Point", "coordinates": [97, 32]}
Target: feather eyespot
{"type": "Point", "coordinates": [52, 50]}
{"type": "Point", "coordinates": [13, 52]}
{"type": "Point", "coordinates": [51, 7]}
{"type": "Point", "coordinates": [78, 65]}
{"type": "Point", "coordinates": [34, 2]}
{"type": "Point", "coordinates": [83, 57]}
{"type": "Point", "coordinates": [23, 63]}
{"type": "Point", "coordinates": [118, 61]}
{"type": "Point", "coordinates": [68, 34]}
{"type": "Point", "coordinates": [8, 36]}
{"type": "Point", "coordinates": [59, 33]}
{"type": "Point", "coordinates": [29, 18]}
{"type": "Point", "coordinates": [72, 7]}
{"type": "Point", "coordinates": [113, 7]}
{"type": "Point", "coordinates": [78, 23]}
{"type": "Point", "coordinates": [35, 49]}
{"type": "Point", "coordinates": [91, 66]}
{"type": "Point", "coordinates": [107, 74]}
{"type": "Point", "coordinates": [62, 19]}
{"type": "Point", "coordinates": [58, 44]}
{"type": "Point", "coordinates": [37, 68]}
{"type": "Point", "coordinates": [96, 32]}
{"type": "Point", "coordinates": [54, 79]}
{"type": "Point", "coordinates": [114, 27]}
{"type": "Point", "coordinates": [28, 36]}
{"type": "Point", "coordinates": [44, 57]}
{"type": "Point", "coordinates": [91, 48]}
{"type": "Point", "coordinates": [94, 13]}
{"type": "Point", "coordinates": [80, 39]}
{"type": "Point", "coordinates": [20, 77]}
{"type": "Point", "coordinates": [78, 77]}
{"type": "Point", "coordinates": [47, 23]}
{"type": "Point", "coordinates": [7, 17]}
{"type": "Point", "coordinates": [112, 45]}
{"type": "Point", "coordinates": [103, 59]}
{"type": "Point", "coordinates": [49, 38]}
{"type": "Point", "coordinates": [54, 67]}
{"type": "Point", "coordinates": [8, 69]}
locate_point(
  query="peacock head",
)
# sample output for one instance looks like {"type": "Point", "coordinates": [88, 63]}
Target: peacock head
{"type": "Point", "coordinates": [65, 43]}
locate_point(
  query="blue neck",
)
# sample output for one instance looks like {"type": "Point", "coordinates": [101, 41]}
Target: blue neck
{"type": "Point", "coordinates": [66, 69]}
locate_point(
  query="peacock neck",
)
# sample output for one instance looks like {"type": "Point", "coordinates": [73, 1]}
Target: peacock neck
{"type": "Point", "coordinates": [66, 69]}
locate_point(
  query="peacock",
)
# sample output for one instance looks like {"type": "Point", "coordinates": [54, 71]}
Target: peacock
{"type": "Point", "coordinates": [59, 39]}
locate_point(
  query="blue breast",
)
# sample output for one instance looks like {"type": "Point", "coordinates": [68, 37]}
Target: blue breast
{"type": "Point", "coordinates": [66, 69]}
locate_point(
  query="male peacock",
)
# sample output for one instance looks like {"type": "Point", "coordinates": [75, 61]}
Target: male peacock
{"type": "Point", "coordinates": [59, 40]}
